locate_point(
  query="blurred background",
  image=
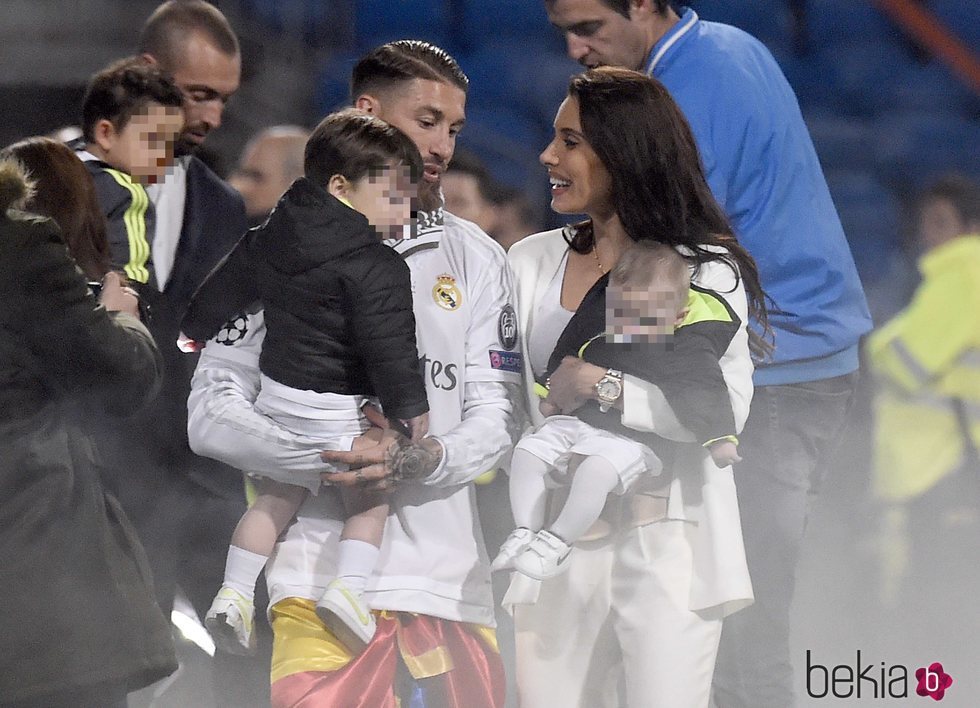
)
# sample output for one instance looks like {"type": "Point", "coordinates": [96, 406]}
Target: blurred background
{"type": "Point", "coordinates": [886, 112]}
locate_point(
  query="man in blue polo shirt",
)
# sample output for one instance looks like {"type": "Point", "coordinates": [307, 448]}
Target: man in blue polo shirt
{"type": "Point", "coordinates": [763, 170]}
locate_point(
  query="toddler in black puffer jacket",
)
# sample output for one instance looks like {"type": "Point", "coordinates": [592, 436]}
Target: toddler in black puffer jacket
{"type": "Point", "coordinates": [340, 328]}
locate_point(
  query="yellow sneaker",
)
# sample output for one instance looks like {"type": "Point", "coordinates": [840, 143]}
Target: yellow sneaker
{"type": "Point", "coordinates": [344, 613]}
{"type": "Point", "coordinates": [230, 621]}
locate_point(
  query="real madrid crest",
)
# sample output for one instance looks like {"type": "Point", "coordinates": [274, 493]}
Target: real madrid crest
{"type": "Point", "coordinates": [446, 293]}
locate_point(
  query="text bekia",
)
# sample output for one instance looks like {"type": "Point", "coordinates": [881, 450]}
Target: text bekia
{"type": "Point", "coordinates": [858, 681]}
{"type": "Point", "coordinates": [873, 680]}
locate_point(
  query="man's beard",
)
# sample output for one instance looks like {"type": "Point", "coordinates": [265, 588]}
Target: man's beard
{"type": "Point", "coordinates": [184, 147]}
{"type": "Point", "coordinates": [430, 195]}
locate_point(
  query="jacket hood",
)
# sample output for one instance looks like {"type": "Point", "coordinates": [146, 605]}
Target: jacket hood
{"type": "Point", "coordinates": [16, 188]}
{"type": "Point", "coordinates": [310, 227]}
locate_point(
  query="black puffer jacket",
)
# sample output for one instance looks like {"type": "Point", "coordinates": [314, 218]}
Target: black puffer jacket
{"type": "Point", "coordinates": [338, 302]}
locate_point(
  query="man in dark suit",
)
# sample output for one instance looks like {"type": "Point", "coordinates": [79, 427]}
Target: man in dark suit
{"type": "Point", "coordinates": [184, 506]}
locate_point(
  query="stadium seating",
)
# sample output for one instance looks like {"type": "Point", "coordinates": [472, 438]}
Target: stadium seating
{"type": "Point", "coordinates": [884, 116]}
{"type": "Point", "coordinates": [379, 21]}
{"type": "Point", "coordinates": [870, 214]}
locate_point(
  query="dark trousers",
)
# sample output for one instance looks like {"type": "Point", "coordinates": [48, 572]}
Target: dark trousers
{"type": "Point", "coordinates": [791, 431]}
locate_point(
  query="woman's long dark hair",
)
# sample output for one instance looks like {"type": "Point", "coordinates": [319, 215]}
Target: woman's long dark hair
{"type": "Point", "coordinates": [65, 192]}
{"type": "Point", "coordinates": [659, 189]}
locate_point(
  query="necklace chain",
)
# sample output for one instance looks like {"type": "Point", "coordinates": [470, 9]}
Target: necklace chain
{"type": "Point", "coordinates": [595, 253]}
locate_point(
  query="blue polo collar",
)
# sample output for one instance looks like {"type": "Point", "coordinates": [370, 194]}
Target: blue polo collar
{"type": "Point", "coordinates": [686, 23]}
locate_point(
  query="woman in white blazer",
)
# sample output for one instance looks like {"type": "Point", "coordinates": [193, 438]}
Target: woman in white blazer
{"type": "Point", "coordinates": [642, 603]}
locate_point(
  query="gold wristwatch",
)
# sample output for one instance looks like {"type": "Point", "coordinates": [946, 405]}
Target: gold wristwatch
{"type": "Point", "coordinates": [609, 388]}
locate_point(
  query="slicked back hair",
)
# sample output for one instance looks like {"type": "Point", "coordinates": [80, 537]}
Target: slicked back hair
{"type": "Point", "coordinates": [623, 6]}
{"type": "Point", "coordinates": [165, 31]}
{"type": "Point", "coordinates": [404, 60]}
{"type": "Point", "coordinates": [122, 90]}
{"type": "Point", "coordinates": [353, 143]}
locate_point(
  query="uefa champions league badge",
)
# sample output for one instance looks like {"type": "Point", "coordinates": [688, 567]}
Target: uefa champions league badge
{"type": "Point", "coordinates": [507, 328]}
{"type": "Point", "coordinates": [446, 293]}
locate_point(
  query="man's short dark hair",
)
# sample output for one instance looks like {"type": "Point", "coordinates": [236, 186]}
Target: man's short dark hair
{"type": "Point", "coordinates": [165, 31]}
{"type": "Point", "coordinates": [353, 143]}
{"type": "Point", "coordinates": [122, 90]}
{"type": "Point", "coordinates": [623, 6]}
{"type": "Point", "coordinates": [961, 191]}
{"type": "Point", "coordinates": [405, 60]}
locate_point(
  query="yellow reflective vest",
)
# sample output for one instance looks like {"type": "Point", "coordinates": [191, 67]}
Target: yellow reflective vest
{"type": "Point", "coordinates": [926, 363]}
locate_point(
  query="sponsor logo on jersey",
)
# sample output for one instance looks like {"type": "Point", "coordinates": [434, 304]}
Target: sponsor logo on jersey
{"type": "Point", "coordinates": [446, 293]}
{"type": "Point", "coordinates": [507, 328]}
{"type": "Point", "coordinates": [506, 361]}
{"type": "Point", "coordinates": [443, 375]}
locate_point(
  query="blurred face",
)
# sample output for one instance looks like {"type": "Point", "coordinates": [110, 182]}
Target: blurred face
{"type": "Point", "coordinates": [385, 198]}
{"type": "Point", "coordinates": [207, 78]}
{"type": "Point", "coordinates": [597, 35]}
{"type": "Point", "coordinates": [580, 183]}
{"type": "Point", "coordinates": [642, 315]}
{"type": "Point", "coordinates": [431, 113]}
{"type": "Point", "coordinates": [939, 222]}
{"type": "Point", "coordinates": [261, 178]}
{"type": "Point", "coordinates": [464, 199]}
{"type": "Point", "coordinates": [145, 146]}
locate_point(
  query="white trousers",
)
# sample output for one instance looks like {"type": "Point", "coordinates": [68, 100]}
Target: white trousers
{"type": "Point", "coordinates": [619, 615]}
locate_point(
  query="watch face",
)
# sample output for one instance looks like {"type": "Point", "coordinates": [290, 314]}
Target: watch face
{"type": "Point", "coordinates": [608, 390]}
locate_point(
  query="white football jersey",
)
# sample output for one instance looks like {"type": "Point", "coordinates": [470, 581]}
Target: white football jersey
{"type": "Point", "coordinates": [432, 557]}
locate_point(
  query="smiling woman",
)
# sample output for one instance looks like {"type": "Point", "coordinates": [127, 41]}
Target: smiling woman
{"type": "Point", "coordinates": [672, 564]}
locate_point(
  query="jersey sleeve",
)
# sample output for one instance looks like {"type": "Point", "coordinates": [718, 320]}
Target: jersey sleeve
{"type": "Point", "coordinates": [493, 347]}
{"type": "Point", "coordinates": [222, 422]}
{"type": "Point", "coordinates": [127, 210]}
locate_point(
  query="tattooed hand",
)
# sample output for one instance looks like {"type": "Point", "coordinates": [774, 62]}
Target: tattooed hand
{"type": "Point", "coordinates": [378, 464]}
{"type": "Point", "coordinates": [411, 462]}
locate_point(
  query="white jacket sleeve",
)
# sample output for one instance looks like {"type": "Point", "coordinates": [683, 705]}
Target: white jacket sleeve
{"type": "Point", "coordinates": [221, 420]}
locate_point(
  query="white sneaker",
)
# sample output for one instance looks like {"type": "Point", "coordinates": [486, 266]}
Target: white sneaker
{"type": "Point", "coordinates": [515, 544]}
{"type": "Point", "coordinates": [545, 557]}
{"type": "Point", "coordinates": [344, 613]}
{"type": "Point", "coordinates": [230, 621]}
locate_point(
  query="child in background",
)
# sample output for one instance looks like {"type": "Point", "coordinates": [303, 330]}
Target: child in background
{"type": "Point", "coordinates": [340, 327]}
{"type": "Point", "coordinates": [131, 116]}
{"type": "Point", "coordinates": [643, 319]}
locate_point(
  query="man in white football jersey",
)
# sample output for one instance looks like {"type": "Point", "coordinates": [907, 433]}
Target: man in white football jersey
{"type": "Point", "coordinates": [431, 591]}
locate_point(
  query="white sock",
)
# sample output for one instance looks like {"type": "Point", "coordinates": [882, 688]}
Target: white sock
{"type": "Point", "coordinates": [356, 562]}
{"type": "Point", "coordinates": [528, 493]}
{"type": "Point", "coordinates": [594, 479]}
{"type": "Point", "coordinates": [242, 570]}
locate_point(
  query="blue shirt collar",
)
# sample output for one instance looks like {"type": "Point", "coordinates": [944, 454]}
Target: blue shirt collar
{"type": "Point", "coordinates": [688, 19]}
